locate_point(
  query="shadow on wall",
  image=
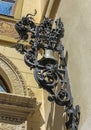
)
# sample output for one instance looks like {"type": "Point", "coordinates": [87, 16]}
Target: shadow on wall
{"type": "Point", "coordinates": [36, 121]}
{"type": "Point", "coordinates": [56, 120]}
{"type": "Point", "coordinates": [54, 8]}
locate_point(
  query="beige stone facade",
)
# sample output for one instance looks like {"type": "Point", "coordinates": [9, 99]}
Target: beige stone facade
{"type": "Point", "coordinates": [41, 114]}
{"type": "Point", "coordinates": [14, 115]}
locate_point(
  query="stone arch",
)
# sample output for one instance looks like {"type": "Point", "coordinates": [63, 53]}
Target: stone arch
{"type": "Point", "coordinates": [12, 76]}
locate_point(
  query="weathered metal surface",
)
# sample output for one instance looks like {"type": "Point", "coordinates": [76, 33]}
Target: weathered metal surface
{"type": "Point", "coordinates": [49, 72]}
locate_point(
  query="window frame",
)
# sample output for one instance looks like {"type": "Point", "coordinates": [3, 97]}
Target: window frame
{"type": "Point", "coordinates": [16, 13]}
{"type": "Point", "coordinates": [5, 2]}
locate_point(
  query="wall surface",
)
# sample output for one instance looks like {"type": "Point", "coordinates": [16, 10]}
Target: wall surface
{"type": "Point", "coordinates": [53, 115]}
{"type": "Point", "coordinates": [76, 16]}
{"type": "Point", "coordinates": [30, 6]}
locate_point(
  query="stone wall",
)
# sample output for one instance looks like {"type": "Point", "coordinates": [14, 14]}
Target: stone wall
{"type": "Point", "coordinates": [8, 38]}
{"type": "Point", "coordinates": [76, 16]}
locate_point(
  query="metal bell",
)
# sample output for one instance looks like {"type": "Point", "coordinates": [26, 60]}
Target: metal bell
{"type": "Point", "coordinates": [48, 57]}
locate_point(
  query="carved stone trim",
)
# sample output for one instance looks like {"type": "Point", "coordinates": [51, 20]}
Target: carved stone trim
{"type": "Point", "coordinates": [17, 84]}
{"type": "Point", "coordinates": [7, 28]}
{"type": "Point", "coordinates": [14, 109]}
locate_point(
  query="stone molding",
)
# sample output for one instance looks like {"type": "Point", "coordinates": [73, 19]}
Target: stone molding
{"type": "Point", "coordinates": [17, 84]}
{"type": "Point", "coordinates": [14, 109]}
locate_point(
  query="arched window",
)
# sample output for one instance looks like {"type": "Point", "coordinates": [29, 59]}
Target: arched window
{"type": "Point", "coordinates": [7, 7]}
{"type": "Point", "coordinates": [3, 85]}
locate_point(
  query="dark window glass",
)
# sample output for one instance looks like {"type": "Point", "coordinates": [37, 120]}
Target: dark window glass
{"type": "Point", "coordinates": [7, 7]}
{"type": "Point", "coordinates": [3, 85]}
{"type": "Point", "coordinates": [2, 88]}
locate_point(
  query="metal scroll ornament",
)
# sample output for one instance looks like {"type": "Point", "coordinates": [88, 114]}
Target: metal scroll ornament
{"type": "Point", "coordinates": [50, 72]}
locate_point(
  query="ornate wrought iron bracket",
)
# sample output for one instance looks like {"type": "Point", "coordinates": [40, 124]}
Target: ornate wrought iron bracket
{"type": "Point", "coordinates": [49, 72]}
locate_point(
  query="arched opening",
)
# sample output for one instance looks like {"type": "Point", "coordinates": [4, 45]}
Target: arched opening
{"type": "Point", "coordinates": [11, 77]}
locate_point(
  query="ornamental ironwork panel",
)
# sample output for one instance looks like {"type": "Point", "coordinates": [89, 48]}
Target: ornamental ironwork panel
{"type": "Point", "coordinates": [49, 71]}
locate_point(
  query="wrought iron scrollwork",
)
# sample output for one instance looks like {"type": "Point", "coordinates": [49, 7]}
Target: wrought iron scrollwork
{"type": "Point", "coordinates": [49, 72]}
